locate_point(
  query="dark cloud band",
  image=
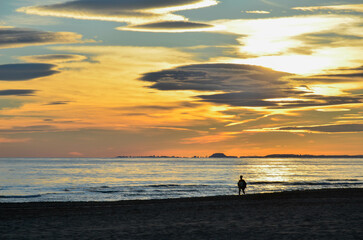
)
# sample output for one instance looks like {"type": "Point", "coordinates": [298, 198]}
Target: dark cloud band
{"type": "Point", "coordinates": [145, 14]}
{"type": "Point", "coordinates": [242, 86]}
{"type": "Point", "coordinates": [25, 71]}
{"type": "Point", "coordinates": [53, 58]}
{"type": "Point", "coordinates": [209, 77]}
{"type": "Point", "coordinates": [169, 26]}
{"type": "Point", "coordinates": [329, 128]}
{"type": "Point", "coordinates": [17, 92]}
{"type": "Point", "coordinates": [19, 37]}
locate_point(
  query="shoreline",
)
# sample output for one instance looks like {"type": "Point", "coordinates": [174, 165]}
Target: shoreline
{"type": "Point", "coordinates": [308, 214]}
{"type": "Point", "coordinates": [312, 193]}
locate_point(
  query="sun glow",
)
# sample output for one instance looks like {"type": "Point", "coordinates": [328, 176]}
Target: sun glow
{"type": "Point", "coordinates": [196, 5]}
{"type": "Point", "coordinates": [291, 44]}
{"type": "Point", "coordinates": [291, 63]}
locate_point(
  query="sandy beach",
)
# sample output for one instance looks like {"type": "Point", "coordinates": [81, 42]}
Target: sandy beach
{"type": "Point", "coordinates": [315, 214]}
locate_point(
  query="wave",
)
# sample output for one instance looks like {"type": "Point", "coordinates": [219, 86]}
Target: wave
{"type": "Point", "coordinates": [163, 185]}
{"type": "Point", "coordinates": [324, 183]}
{"type": "Point", "coordinates": [331, 182]}
{"type": "Point", "coordinates": [102, 190]}
{"type": "Point", "coordinates": [341, 180]}
{"type": "Point", "coordinates": [175, 185]}
{"type": "Point", "coordinates": [21, 196]}
{"type": "Point", "coordinates": [142, 188]}
{"type": "Point", "coordinates": [266, 182]}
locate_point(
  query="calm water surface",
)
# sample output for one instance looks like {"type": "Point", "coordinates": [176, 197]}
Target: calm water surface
{"type": "Point", "coordinates": [111, 179]}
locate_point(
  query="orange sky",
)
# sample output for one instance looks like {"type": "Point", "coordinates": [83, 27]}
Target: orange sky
{"type": "Point", "coordinates": [183, 78]}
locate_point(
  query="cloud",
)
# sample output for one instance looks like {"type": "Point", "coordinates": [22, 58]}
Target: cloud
{"type": "Point", "coordinates": [29, 129]}
{"type": "Point", "coordinates": [317, 42]}
{"type": "Point", "coordinates": [257, 12]}
{"type": "Point", "coordinates": [349, 75]}
{"type": "Point", "coordinates": [242, 85]}
{"type": "Point", "coordinates": [339, 75]}
{"type": "Point", "coordinates": [25, 71]}
{"type": "Point", "coordinates": [58, 103]}
{"type": "Point", "coordinates": [278, 100]}
{"type": "Point", "coordinates": [17, 92]}
{"type": "Point", "coordinates": [131, 12]}
{"type": "Point", "coordinates": [275, 35]}
{"type": "Point", "coordinates": [21, 37]}
{"type": "Point", "coordinates": [345, 8]}
{"type": "Point", "coordinates": [328, 79]}
{"type": "Point", "coordinates": [53, 58]}
{"type": "Point", "coordinates": [320, 100]}
{"type": "Point", "coordinates": [170, 26]}
{"type": "Point", "coordinates": [150, 109]}
{"type": "Point", "coordinates": [339, 128]}
{"type": "Point", "coordinates": [246, 85]}
{"type": "Point", "coordinates": [241, 99]}
{"type": "Point", "coordinates": [214, 77]}
{"type": "Point", "coordinates": [14, 140]}
{"type": "Point", "coordinates": [326, 38]}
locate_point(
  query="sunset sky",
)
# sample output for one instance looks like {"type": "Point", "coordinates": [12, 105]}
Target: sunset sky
{"type": "Point", "coordinates": [102, 78]}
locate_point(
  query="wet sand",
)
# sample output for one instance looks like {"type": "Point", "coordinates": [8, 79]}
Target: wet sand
{"type": "Point", "coordinates": [315, 214]}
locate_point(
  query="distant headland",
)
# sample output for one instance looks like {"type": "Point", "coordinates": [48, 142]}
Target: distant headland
{"type": "Point", "coordinates": [222, 155]}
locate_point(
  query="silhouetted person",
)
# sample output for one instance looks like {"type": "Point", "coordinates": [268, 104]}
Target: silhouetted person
{"type": "Point", "coordinates": [241, 185]}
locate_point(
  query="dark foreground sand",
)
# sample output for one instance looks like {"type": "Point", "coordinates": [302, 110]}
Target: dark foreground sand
{"type": "Point", "coordinates": [318, 214]}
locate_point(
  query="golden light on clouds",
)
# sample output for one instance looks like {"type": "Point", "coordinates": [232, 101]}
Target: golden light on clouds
{"type": "Point", "coordinates": [348, 7]}
{"type": "Point", "coordinates": [191, 5]}
{"type": "Point", "coordinates": [128, 12]}
{"type": "Point", "coordinates": [257, 12]}
{"type": "Point", "coordinates": [106, 93]}
{"type": "Point", "coordinates": [12, 37]}
{"type": "Point", "coordinates": [293, 44]}
{"type": "Point", "coordinates": [183, 75]}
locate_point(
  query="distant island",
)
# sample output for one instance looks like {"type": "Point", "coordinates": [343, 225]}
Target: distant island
{"type": "Point", "coordinates": [222, 155]}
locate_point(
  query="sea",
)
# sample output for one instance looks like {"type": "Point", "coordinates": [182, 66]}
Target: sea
{"type": "Point", "coordinates": [114, 179]}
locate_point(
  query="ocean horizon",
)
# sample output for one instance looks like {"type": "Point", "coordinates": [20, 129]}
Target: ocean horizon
{"type": "Point", "coordinates": [114, 179]}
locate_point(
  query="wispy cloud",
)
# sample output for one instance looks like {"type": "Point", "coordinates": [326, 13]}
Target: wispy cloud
{"type": "Point", "coordinates": [131, 12]}
{"type": "Point", "coordinates": [334, 128]}
{"type": "Point", "coordinates": [17, 92]}
{"type": "Point", "coordinates": [28, 129]}
{"type": "Point", "coordinates": [11, 37]}
{"type": "Point", "coordinates": [58, 103]}
{"type": "Point", "coordinates": [257, 12]}
{"type": "Point", "coordinates": [347, 75]}
{"type": "Point", "coordinates": [345, 8]}
{"type": "Point", "coordinates": [170, 26]}
{"type": "Point", "coordinates": [53, 58]}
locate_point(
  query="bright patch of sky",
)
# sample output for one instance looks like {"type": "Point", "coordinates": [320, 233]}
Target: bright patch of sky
{"type": "Point", "coordinates": [204, 73]}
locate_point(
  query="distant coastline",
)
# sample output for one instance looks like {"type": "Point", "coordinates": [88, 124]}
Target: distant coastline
{"type": "Point", "coordinates": [222, 155]}
{"type": "Point", "coordinates": [303, 156]}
